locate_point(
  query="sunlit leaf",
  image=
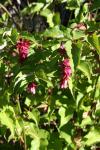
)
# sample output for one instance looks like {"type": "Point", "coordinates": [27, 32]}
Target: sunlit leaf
{"type": "Point", "coordinates": [65, 114]}
{"type": "Point", "coordinates": [94, 40]}
{"type": "Point", "coordinates": [54, 32]}
{"type": "Point", "coordinates": [85, 68]}
{"type": "Point", "coordinates": [93, 136]}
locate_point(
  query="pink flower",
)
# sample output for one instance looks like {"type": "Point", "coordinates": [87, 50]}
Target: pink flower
{"type": "Point", "coordinates": [66, 62]}
{"type": "Point", "coordinates": [66, 73]}
{"type": "Point", "coordinates": [64, 83]}
{"type": "Point", "coordinates": [31, 88]}
{"type": "Point", "coordinates": [23, 48]}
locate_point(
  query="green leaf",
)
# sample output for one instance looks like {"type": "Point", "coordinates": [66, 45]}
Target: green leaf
{"type": "Point", "coordinates": [7, 119]}
{"type": "Point", "coordinates": [86, 121]}
{"type": "Point", "coordinates": [76, 53]}
{"type": "Point", "coordinates": [97, 111]}
{"type": "Point", "coordinates": [34, 115]}
{"type": "Point", "coordinates": [14, 35]}
{"type": "Point", "coordinates": [68, 46]}
{"type": "Point", "coordinates": [70, 85]}
{"type": "Point", "coordinates": [97, 90]}
{"type": "Point", "coordinates": [33, 8]}
{"type": "Point", "coordinates": [37, 7]}
{"type": "Point", "coordinates": [49, 15]}
{"type": "Point", "coordinates": [27, 101]}
{"type": "Point", "coordinates": [77, 34]}
{"type": "Point", "coordinates": [85, 68]}
{"type": "Point", "coordinates": [39, 136]}
{"type": "Point", "coordinates": [43, 76]}
{"type": "Point", "coordinates": [72, 4]}
{"type": "Point", "coordinates": [94, 40]}
{"type": "Point", "coordinates": [66, 136]}
{"type": "Point", "coordinates": [54, 32]}
{"type": "Point", "coordinates": [56, 18]}
{"type": "Point", "coordinates": [3, 44]}
{"type": "Point", "coordinates": [55, 142]}
{"type": "Point", "coordinates": [4, 98]}
{"type": "Point", "coordinates": [35, 144]}
{"type": "Point", "coordinates": [65, 114]}
{"type": "Point", "coordinates": [92, 137]}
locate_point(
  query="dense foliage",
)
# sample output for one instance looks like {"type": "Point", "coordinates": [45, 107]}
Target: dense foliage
{"type": "Point", "coordinates": [49, 75]}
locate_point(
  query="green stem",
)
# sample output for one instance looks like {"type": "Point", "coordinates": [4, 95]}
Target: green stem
{"type": "Point", "coordinates": [4, 8]}
{"type": "Point", "coordinates": [20, 111]}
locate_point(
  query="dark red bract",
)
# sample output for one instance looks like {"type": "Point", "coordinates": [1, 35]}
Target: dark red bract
{"type": "Point", "coordinates": [66, 73]}
{"type": "Point", "coordinates": [31, 88]}
{"type": "Point", "coordinates": [23, 49]}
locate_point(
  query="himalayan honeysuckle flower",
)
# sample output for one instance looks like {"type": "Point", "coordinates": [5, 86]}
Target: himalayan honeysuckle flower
{"type": "Point", "coordinates": [23, 49]}
{"type": "Point", "coordinates": [31, 88]}
{"type": "Point", "coordinates": [66, 73]}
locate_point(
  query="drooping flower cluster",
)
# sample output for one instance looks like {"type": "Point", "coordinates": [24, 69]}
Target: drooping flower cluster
{"type": "Point", "coordinates": [66, 73]}
{"type": "Point", "coordinates": [23, 49]}
{"type": "Point", "coordinates": [31, 88]}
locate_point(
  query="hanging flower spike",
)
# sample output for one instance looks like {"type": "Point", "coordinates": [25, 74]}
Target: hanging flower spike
{"type": "Point", "coordinates": [23, 49]}
{"type": "Point", "coordinates": [66, 73]}
{"type": "Point", "coordinates": [31, 88]}
{"type": "Point", "coordinates": [64, 84]}
{"type": "Point", "coordinates": [66, 62]}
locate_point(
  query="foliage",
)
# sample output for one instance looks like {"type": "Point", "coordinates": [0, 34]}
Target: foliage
{"type": "Point", "coordinates": [34, 110]}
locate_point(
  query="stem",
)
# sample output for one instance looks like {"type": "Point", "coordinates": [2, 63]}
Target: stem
{"type": "Point", "coordinates": [20, 112]}
{"type": "Point", "coordinates": [4, 8]}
